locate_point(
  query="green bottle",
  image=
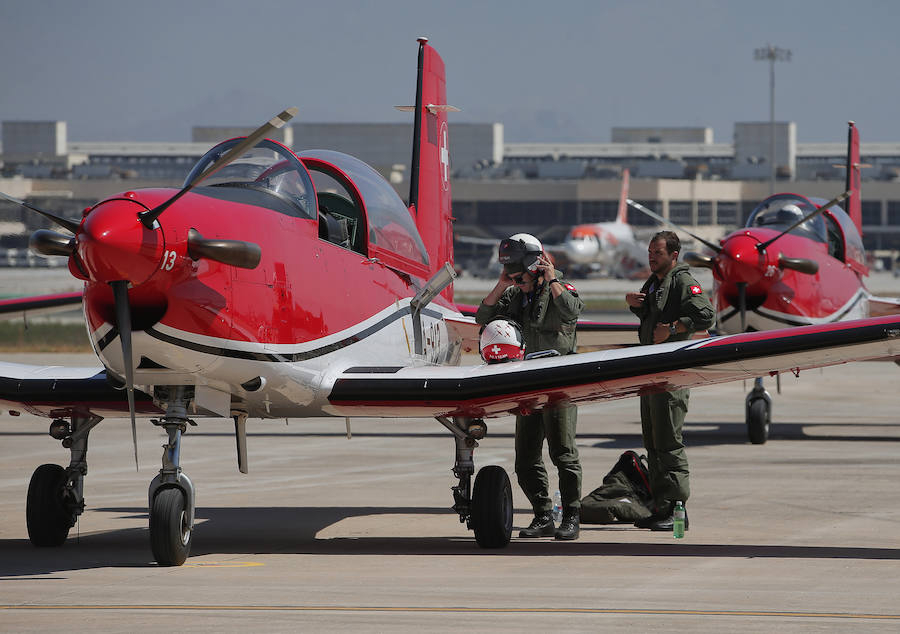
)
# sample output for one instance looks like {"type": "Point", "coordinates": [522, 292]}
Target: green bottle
{"type": "Point", "coordinates": [678, 521]}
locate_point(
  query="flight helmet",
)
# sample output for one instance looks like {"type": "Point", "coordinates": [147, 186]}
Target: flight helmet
{"type": "Point", "coordinates": [519, 253]}
{"type": "Point", "coordinates": [501, 340]}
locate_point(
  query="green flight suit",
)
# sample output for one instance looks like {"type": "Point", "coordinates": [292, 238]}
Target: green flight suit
{"type": "Point", "coordinates": [547, 323]}
{"type": "Point", "coordinates": [676, 297]}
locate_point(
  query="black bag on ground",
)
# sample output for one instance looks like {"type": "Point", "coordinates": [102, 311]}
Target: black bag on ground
{"type": "Point", "coordinates": [624, 495]}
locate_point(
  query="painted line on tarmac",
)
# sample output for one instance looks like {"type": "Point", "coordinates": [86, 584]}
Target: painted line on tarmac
{"type": "Point", "coordinates": [223, 564]}
{"type": "Point", "coordinates": [438, 609]}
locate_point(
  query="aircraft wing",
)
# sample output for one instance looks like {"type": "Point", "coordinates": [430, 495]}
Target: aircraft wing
{"type": "Point", "coordinates": [57, 392]}
{"type": "Point", "coordinates": [501, 389]}
{"type": "Point", "coordinates": [39, 305]}
{"type": "Point", "coordinates": [879, 306]}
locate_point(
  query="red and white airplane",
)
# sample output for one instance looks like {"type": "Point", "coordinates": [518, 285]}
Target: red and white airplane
{"type": "Point", "coordinates": [608, 246]}
{"type": "Point", "coordinates": [280, 285]}
{"type": "Point", "coordinates": [798, 261]}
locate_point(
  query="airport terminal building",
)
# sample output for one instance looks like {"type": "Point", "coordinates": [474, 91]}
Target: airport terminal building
{"type": "Point", "coordinates": [498, 187]}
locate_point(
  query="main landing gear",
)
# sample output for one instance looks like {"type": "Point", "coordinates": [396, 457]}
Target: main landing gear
{"type": "Point", "coordinates": [758, 413]}
{"type": "Point", "coordinates": [487, 508]}
{"type": "Point", "coordinates": [56, 495]}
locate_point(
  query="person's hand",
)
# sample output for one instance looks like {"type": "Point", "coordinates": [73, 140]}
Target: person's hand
{"type": "Point", "coordinates": [660, 333]}
{"type": "Point", "coordinates": [544, 269]}
{"type": "Point", "coordinates": [635, 300]}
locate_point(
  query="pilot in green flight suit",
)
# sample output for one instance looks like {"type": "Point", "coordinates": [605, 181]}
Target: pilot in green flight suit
{"type": "Point", "coordinates": [671, 307]}
{"type": "Point", "coordinates": [530, 293]}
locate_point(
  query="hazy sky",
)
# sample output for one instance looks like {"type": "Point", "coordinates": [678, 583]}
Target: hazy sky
{"type": "Point", "coordinates": [566, 70]}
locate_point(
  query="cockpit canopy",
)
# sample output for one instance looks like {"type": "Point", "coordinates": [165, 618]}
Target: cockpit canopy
{"type": "Point", "coordinates": [783, 210]}
{"type": "Point", "coordinates": [268, 168]}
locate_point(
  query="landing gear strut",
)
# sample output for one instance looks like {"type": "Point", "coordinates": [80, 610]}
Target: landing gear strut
{"type": "Point", "coordinates": [56, 495]}
{"type": "Point", "coordinates": [487, 509]}
{"type": "Point", "coordinates": [758, 413]}
{"type": "Point", "coordinates": [171, 492]}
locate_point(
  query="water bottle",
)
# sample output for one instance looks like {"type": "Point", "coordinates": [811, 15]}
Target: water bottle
{"type": "Point", "coordinates": [678, 521]}
{"type": "Point", "coordinates": [557, 507]}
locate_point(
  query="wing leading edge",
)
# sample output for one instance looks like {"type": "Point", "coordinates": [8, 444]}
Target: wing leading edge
{"type": "Point", "coordinates": [496, 390]}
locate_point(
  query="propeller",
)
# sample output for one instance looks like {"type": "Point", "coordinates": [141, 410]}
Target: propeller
{"type": "Point", "coordinates": [801, 265]}
{"type": "Point", "coordinates": [123, 323]}
{"type": "Point", "coordinates": [48, 242]}
{"type": "Point", "coordinates": [62, 222]}
{"type": "Point", "coordinates": [148, 218]}
{"type": "Point", "coordinates": [658, 218]}
{"type": "Point", "coordinates": [245, 255]}
{"type": "Point", "coordinates": [762, 246]}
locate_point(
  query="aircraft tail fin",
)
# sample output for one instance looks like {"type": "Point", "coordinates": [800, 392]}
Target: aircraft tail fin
{"type": "Point", "coordinates": [429, 188]}
{"type": "Point", "coordinates": [854, 204]}
{"type": "Point", "coordinates": [622, 215]}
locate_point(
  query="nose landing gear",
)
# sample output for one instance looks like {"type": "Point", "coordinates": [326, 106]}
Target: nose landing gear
{"type": "Point", "coordinates": [171, 492]}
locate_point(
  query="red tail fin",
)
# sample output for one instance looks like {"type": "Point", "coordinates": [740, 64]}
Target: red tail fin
{"type": "Point", "coordinates": [429, 189]}
{"type": "Point", "coordinates": [854, 205]}
{"type": "Point", "coordinates": [622, 216]}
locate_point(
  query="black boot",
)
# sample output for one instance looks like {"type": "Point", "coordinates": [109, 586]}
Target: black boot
{"type": "Point", "coordinates": [568, 527]}
{"type": "Point", "coordinates": [541, 526]}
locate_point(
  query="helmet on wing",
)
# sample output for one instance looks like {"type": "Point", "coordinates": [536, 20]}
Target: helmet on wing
{"type": "Point", "coordinates": [520, 252]}
{"type": "Point", "coordinates": [501, 340]}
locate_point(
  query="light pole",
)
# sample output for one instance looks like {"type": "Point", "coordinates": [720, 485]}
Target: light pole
{"type": "Point", "coordinates": [772, 54]}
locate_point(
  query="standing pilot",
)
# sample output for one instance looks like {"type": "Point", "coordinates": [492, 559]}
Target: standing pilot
{"type": "Point", "coordinates": [671, 307]}
{"type": "Point", "coordinates": [531, 293]}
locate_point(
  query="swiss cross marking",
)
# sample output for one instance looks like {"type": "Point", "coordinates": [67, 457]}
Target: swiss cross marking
{"type": "Point", "coordinates": [495, 349]}
{"type": "Point", "coordinates": [445, 157]}
{"type": "Point", "coordinates": [696, 290]}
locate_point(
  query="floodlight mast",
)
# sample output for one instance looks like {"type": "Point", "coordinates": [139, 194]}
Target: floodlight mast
{"type": "Point", "coordinates": [772, 54]}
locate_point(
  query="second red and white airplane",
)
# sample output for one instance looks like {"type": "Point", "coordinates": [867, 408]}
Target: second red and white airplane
{"type": "Point", "coordinates": [281, 285]}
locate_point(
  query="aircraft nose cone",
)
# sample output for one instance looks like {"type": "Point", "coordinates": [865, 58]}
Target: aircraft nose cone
{"type": "Point", "coordinates": [114, 245]}
{"type": "Point", "coordinates": [740, 261]}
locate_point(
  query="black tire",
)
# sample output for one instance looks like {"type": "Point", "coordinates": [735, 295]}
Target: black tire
{"type": "Point", "coordinates": [47, 515]}
{"type": "Point", "coordinates": [758, 421]}
{"type": "Point", "coordinates": [492, 507]}
{"type": "Point", "coordinates": [170, 535]}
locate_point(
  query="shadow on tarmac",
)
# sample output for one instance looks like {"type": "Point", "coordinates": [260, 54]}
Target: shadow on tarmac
{"type": "Point", "coordinates": [292, 530]}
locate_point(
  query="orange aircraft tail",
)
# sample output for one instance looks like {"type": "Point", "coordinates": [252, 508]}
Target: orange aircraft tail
{"type": "Point", "coordinates": [429, 188]}
{"type": "Point", "coordinates": [854, 205]}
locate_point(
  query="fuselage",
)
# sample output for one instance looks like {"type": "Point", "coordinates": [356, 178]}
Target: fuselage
{"type": "Point", "coordinates": [776, 295]}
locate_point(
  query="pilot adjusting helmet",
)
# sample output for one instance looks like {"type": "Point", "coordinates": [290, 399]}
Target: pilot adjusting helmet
{"type": "Point", "coordinates": [501, 340]}
{"type": "Point", "coordinates": [520, 252]}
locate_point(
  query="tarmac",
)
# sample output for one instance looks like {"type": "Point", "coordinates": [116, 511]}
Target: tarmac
{"type": "Point", "coordinates": [330, 534]}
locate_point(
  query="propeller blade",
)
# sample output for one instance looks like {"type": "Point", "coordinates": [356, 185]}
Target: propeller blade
{"type": "Point", "coordinates": [834, 201]}
{"type": "Point", "coordinates": [238, 253]}
{"type": "Point", "coordinates": [48, 242]}
{"type": "Point", "coordinates": [715, 247]}
{"type": "Point", "coordinates": [742, 304]}
{"type": "Point", "coordinates": [123, 323]}
{"type": "Point", "coordinates": [62, 222]}
{"type": "Point", "coordinates": [150, 217]}
{"type": "Point", "coordinates": [801, 265]}
{"type": "Point", "coordinates": [693, 258]}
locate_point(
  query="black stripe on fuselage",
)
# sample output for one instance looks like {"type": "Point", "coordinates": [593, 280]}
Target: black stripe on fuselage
{"type": "Point", "coordinates": [791, 322]}
{"type": "Point", "coordinates": [275, 357]}
{"type": "Point", "coordinates": [694, 355]}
